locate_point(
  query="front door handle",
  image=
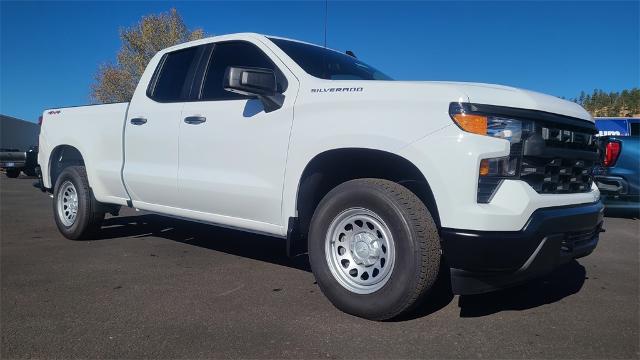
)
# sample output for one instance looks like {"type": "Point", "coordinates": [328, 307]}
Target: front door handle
{"type": "Point", "coordinates": [195, 120]}
{"type": "Point", "coordinates": [138, 121]}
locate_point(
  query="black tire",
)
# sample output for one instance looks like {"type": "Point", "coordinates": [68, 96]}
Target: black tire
{"type": "Point", "coordinates": [13, 173]}
{"type": "Point", "coordinates": [417, 247]}
{"type": "Point", "coordinates": [88, 218]}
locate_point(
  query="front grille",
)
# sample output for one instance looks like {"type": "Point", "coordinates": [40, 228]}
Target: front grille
{"type": "Point", "coordinates": [557, 175]}
{"type": "Point", "coordinates": [556, 160]}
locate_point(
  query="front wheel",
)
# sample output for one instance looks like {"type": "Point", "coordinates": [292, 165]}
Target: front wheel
{"type": "Point", "coordinates": [374, 248]}
{"type": "Point", "coordinates": [75, 209]}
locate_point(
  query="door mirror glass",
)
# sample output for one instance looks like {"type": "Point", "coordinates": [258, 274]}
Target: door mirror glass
{"type": "Point", "coordinates": [258, 82]}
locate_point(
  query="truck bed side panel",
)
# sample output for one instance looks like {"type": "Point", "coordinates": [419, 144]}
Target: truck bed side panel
{"type": "Point", "coordinates": [96, 131]}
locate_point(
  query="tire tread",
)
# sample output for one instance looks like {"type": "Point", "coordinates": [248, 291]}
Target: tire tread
{"type": "Point", "coordinates": [426, 230]}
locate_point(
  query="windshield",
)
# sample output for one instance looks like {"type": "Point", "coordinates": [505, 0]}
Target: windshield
{"type": "Point", "coordinates": [328, 64]}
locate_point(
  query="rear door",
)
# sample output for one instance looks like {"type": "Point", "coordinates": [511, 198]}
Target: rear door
{"type": "Point", "coordinates": [232, 161]}
{"type": "Point", "coordinates": [152, 128]}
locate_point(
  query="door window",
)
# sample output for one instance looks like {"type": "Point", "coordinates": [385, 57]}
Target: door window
{"type": "Point", "coordinates": [172, 76]}
{"type": "Point", "coordinates": [236, 53]}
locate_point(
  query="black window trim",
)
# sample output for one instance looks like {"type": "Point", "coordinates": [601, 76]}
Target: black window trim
{"type": "Point", "coordinates": [198, 83]}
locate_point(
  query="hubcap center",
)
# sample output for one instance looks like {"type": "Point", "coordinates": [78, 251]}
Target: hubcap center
{"type": "Point", "coordinates": [364, 249]}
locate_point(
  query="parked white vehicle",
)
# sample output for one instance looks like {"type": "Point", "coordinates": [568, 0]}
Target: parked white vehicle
{"type": "Point", "coordinates": [384, 183]}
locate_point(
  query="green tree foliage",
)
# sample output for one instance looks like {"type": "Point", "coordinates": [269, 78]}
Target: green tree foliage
{"type": "Point", "coordinates": [116, 82]}
{"type": "Point", "coordinates": [600, 103]}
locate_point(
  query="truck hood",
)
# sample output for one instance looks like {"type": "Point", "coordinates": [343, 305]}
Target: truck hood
{"type": "Point", "coordinates": [500, 95]}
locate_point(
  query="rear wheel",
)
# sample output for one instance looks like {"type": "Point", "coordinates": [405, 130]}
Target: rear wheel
{"type": "Point", "coordinates": [75, 210]}
{"type": "Point", "coordinates": [13, 173]}
{"type": "Point", "coordinates": [374, 248]}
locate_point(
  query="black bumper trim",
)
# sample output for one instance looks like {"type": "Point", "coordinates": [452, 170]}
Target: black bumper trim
{"type": "Point", "coordinates": [483, 261]}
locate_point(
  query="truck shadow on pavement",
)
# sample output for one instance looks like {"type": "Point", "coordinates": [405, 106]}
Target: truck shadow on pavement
{"type": "Point", "coordinates": [565, 281]}
{"type": "Point", "coordinates": [229, 241]}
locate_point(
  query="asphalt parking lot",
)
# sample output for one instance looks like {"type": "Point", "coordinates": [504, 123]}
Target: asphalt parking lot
{"type": "Point", "coordinates": [155, 287]}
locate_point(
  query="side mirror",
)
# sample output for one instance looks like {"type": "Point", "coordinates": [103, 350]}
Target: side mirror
{"type": "Point", "coordinates": [254, 82]}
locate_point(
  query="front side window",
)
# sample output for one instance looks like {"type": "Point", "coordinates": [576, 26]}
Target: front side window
{"type": "Point", "coordinates": [171, 80]}
{"type": "Point", "coordinates": [328, 64]}
{"type": "Point", "coordinates": [235, 53]}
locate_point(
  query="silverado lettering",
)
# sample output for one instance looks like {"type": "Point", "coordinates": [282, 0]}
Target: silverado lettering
{"type": "Point", "coordinates": [345, 89]}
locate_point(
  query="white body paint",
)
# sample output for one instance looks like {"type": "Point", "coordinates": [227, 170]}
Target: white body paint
{"type": "Point", "coordinates": [242, 168]}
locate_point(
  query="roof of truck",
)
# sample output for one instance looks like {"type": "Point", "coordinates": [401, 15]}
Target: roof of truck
{"type": "Point", "coordinates": [238, 36]}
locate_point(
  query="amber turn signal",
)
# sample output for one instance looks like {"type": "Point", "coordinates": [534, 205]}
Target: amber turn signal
{"type": "Point", "coordinates": [476, 124]}
{"type": "Point", "coordinates": [484, 167]}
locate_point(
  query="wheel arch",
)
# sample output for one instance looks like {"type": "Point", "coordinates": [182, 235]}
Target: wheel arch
{"type": "Point", "coordinates": [320, 175]}
{"type": "Point", "coordinates": [63, 156]}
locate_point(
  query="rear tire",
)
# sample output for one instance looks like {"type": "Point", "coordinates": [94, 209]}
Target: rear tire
{"type": "Point", "coordinates": [75, 209]}
{"type": "Point", "coordinates": [13, 173]}
{"type": "Point", "coordinates": [357, 225]}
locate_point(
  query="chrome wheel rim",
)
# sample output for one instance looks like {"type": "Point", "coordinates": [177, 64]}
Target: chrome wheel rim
{"type": "Point", "coordinates": [67, 203]}
{"type": "Point", "coordinates": [360, 251]}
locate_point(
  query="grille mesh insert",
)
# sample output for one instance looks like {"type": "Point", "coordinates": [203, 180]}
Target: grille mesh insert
{"type": "Point", "coordinates": [557, 175]}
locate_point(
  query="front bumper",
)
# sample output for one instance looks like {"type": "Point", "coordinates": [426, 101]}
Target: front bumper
{"type": "Point", "coordinates": [483, 261]}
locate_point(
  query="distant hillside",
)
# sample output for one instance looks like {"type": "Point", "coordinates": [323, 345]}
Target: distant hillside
{"type": "Point", "coordinates": [600, 103]}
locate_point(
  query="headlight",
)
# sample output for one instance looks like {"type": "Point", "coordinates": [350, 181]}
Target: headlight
{"type": "Point", "coordinates": [492, 171]}
{"type": "Point", "coordinates": [512, 130]}
{"type": "Point", "coordinates": [508, 129]}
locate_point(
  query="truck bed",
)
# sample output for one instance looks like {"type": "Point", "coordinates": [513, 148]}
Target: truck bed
{"type": "Point", "coordinates": [97, 132]}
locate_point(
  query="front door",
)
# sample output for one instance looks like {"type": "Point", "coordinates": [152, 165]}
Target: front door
{"type": "Point", "coordinates": [232, 153]}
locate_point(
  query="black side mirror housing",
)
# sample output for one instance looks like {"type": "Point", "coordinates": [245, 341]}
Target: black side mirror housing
{"type": "Point", "coordinates": [257, 82]}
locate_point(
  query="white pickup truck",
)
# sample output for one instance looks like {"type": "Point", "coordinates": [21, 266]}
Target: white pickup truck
{"type": "Point", "coordinates": [386, 184]}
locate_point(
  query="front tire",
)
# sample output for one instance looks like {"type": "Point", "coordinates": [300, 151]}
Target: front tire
{"type": "Point", "coordinates": [374, 248]}
{"type": "Point", "coordinates": [75, 209]}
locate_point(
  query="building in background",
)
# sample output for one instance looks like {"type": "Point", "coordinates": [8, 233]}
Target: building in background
{"type": "Point", "coordinates": [17, 134]}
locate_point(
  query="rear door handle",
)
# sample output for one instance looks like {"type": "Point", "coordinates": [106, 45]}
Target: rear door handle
{"type": "Point", "coordinates": [138, 121]}
{"type": "Point", "coordinates": [195, 120]}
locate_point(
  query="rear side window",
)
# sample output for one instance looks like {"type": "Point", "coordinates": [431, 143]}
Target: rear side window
{"type": "Point", "coordinates": [171, 81]}
{"type": "Point", "coordinates": [236, 53]}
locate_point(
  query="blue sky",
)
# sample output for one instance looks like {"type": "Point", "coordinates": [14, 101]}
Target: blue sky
{"type": "Point", "coordinates": [49, 51]}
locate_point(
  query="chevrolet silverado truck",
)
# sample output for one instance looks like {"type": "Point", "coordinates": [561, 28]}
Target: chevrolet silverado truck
{"type": "Point", "coordinates": [383, 183]}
